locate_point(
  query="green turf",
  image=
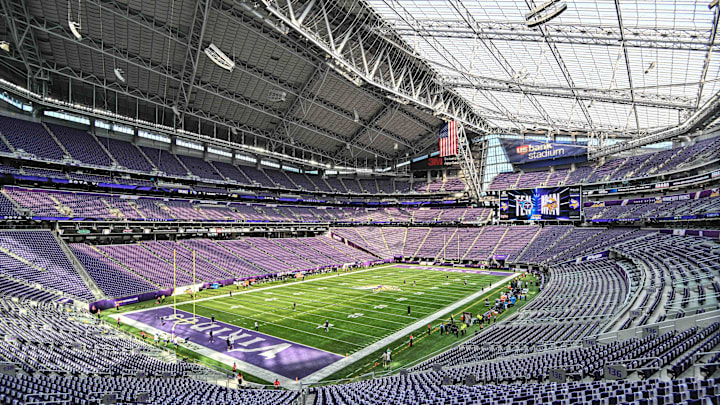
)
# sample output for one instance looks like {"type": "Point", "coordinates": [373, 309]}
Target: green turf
{"type": "Point", "coordinates": [426, 346]}
{"type": "Point", "coordinates": [359, 316]}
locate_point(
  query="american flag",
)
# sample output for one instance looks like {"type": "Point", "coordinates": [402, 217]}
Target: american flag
{"type": "Point", "coordinates": [448, 139]}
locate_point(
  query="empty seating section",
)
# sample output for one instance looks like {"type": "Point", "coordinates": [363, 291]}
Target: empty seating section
{"type": "Point", "coordinates": [545, 238]}
{"type": "Point", "coordinates": [402, 186]}
{"type": "Point", "coordinates": [336, 185]}
{"type": "Point", "coordinates": [81, 145]}
{"type": "Point", "coordinates": [280, 179]}
{"type": "Point", "coordinates": [369, 186]}
{"type": "Point", "coordinates": [257, 176]}
{"type": "Point", "coordinates": [231, 172]}
{"type": "Point", "coordinates": [557, 177]}
{"type": "Point", "coordinates": [320, 183]}
{"type": "Point", "coordinates": [301, 180]}
{"type": "Point", "coordinates": [515, 240]}
{"type": "Point", "coordinates": [454, 184]}
{"type": "Point", "coordinates": [51, 203]}
{"type": "Point", "coordinates": [7, 208]}
{"type": "Point", "coordinates": [36, 257]}
{"type": "Point", "coordinates": [165, 161]}
{"type": "Point", "coordinates": [485, 244]}
{"type": "Point", "coordinates": [662, 210]}
{"type": "Point", "coordinates": [31, 137]}
{"type": "Point", "coordinates": [504, 181]}
{"type": "Point", "coordinates": [352, 186]}
{"type": "Point", "coordinates": [200, 168]}
{"type": "Point", "coordinates": [425, 389]}
{"type": "Point", "coordinates": [113, 279]}
{"type": "Point", "coordinates": [72, 344]}
{"type": "Point", "coordinates": [127, 155]}
{"type": "Point", "coordinates": [532, 179]}
{"type": "Point", "coordinates": [683, 270]}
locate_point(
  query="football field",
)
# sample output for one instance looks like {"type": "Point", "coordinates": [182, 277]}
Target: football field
{"type": "Point", "coordinates": [360, 307]}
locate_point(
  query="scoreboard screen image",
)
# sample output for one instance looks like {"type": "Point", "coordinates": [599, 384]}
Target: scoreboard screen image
{"type": "Point", "coordinates": [541, 204]}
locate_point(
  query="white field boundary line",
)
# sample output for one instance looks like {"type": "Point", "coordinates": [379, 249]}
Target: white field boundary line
{"type": "Point", "coordinates": [346, 361]}
{"type": "Point", "coordinates": [261, 288]}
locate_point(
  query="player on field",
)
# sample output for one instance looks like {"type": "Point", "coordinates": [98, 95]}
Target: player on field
{"type": "Point", "coordinates": [256, 326]}
{"type": "Point", "coordinates": [408, 309]}
{"type": "Point", "coordinates": [294, 305]}
{"type": "Point", "coordinates": [327, 325]}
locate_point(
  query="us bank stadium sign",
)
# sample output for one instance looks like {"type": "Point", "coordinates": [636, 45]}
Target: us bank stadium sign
{"type": "Point", "coordinates": [527, 151]}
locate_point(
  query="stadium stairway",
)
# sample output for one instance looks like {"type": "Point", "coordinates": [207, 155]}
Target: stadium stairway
{"type": "Point", "coordinates": [385, 242]}
{"type": "Point", "coordinates": [445, 245]}
{"type": "Point", "coordinates": [420, 245]}
{"type": "Point", "coordinates": [532, 240]}
{"type": "Point", "coordinates": [124, 266]}
{"type": "Point", "coordinates": [80, 269]}
{"type": "Point", "coordinates": [473, 243]}
{"type": "Point", "coordinates": [54, 138]}
{"type": "Point", "coordinates": [134, 206]}
{"type": "Point", "coordinates": [492, 252]}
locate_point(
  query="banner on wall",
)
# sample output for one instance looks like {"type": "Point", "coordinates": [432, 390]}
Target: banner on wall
{"type": "Point", "coordinates": [525, 152]}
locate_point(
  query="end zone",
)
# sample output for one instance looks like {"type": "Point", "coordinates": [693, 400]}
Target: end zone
{"type": "Point", "coordinates": [263, 355]}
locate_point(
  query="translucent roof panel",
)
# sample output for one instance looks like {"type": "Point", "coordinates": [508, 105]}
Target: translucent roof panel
{"type": "Point", "coordinates": [622, 67]}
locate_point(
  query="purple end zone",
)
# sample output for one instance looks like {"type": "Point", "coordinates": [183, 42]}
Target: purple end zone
{"type": "Point", "coordinates": [455, 270]}
{"type": "Point", "coordinates": [279, 356]}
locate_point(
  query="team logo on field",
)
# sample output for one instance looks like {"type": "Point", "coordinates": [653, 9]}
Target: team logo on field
{"type": "Point", "coordinates": [379, 288]}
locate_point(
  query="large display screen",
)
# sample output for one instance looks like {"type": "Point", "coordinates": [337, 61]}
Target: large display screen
{"type": "Point", "coordinates": [541, 204]}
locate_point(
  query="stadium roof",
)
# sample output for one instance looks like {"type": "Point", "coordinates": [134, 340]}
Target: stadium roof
{"type": "Point", "coordinates": [358, 82]}
{"type": "Point", "coordinates": [600, 65]}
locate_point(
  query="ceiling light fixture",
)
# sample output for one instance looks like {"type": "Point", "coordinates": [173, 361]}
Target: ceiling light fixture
{"type": "Point", "coordinates": [75, 26]}
{"type": "Point", "coordinates": [119, 74]}
{"type": "Point", "coordinates": [5, 46]}
{"type": "Point", "coordinates": [219, 57]}
{"type": "Point", "coordinates": [651, 67]}
{"type": "Point", "coordinates": [544, 13]}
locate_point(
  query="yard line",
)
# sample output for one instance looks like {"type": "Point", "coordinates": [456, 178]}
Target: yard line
{"type": "Point", "coordinates": [313, 313]}
{"type": "Point", "coordinates": [287, 327]}
{"type": "Point", "coordinates": [354, 308]}
{"type": "Point", "coordinates": [267, 288]}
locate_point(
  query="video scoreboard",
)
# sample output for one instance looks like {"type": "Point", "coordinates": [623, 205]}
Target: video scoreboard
{"type": "Point", "coordinates": [541, 204]}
